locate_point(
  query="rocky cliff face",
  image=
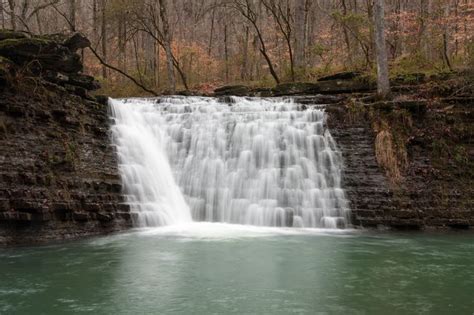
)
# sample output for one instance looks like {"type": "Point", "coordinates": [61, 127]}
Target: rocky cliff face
{"type": "Point", "coordinates": [58, 173]}
{"type": "Point", "coordinates": [410, 162]}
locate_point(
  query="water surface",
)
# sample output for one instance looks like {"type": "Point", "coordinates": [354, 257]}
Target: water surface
{"type": "Point", "coordinates": [206, 268]}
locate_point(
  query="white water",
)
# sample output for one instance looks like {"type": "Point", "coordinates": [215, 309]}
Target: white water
{"type": "Point", "coordinates": [258, 162]}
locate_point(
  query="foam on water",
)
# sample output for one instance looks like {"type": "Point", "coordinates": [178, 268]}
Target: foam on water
{"type": "Point", "coordinates": [265, 162]}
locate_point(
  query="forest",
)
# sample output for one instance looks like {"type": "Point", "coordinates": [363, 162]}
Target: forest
{"type": "Point", "coordinates": [165, 46]}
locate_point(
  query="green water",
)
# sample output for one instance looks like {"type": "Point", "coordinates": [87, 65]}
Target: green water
{"type": "Point", "coordinates": [219, 269]}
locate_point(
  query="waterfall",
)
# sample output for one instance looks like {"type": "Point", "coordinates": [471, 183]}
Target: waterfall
{"type": "Point", "coordinates": [268, 162]}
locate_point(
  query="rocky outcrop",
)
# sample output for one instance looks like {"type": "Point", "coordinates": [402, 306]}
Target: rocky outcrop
{"type": "Point", "coordinates": [58, 172]}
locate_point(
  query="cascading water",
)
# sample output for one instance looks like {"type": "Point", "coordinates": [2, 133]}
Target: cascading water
{"type": "Point", "coordinates": [267, 162]}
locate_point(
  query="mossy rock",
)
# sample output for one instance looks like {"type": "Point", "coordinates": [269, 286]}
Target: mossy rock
{"type": "Point", "coordinates": [14, 47]}
{"type": "Point", "coordinates": [347, 75]}
{"type": "Point", "coordinates": [8, 34]}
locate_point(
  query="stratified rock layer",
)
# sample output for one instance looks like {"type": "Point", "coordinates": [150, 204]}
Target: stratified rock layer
{"type": "Point", "coordinates": [58, 172]}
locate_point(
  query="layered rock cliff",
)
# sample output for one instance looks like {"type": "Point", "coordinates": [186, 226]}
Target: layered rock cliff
{"type": "Point", "coordinates": [409, 163]}
{"type": "Point", "coordinates": [58, 173]}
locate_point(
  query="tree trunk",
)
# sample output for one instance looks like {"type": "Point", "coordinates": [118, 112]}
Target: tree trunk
{"type": "Point", "coordinates": [167, 44]}
{"type": "Point", "coordinates": [346, 34]}
{"type": "Point", "coordinates": [211, 34]}
{"type": "Point", "coordinates": [300, 29]}
{"type": "Point", "coordinates": [95, 19]}
{"type": "Point", "coordinates": [383, 85]}
{"type": "Point", "coordinates": [23, 11]}
{"type": "Point", "coordinates": [12, 5]}
{"type": "Point", "coordinates": [122, 38]}
{"type": "Point", "coordinates": [226, 54]}
{"type": "Point", "coordinates": [244, 71]}
{"type": "Point", "coordinates": [72, 15]}
{"type": "Point", "coordinates": [104, 36]}
{"type": "Point", "coordinates": [446, 37]}
{"type": "Point", "coordinates": [158, 60]}
{"type": "Point", "coordinates": [2, 17]}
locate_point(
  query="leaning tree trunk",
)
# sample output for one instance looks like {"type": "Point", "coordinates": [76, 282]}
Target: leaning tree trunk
{"type": "Point", "coordinates": [167, 44]}
{"type": "Point", "coordinates": [383, 85]}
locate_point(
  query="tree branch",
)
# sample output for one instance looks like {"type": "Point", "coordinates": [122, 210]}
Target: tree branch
{"type": "Point", "coordinates": [144, 88]}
